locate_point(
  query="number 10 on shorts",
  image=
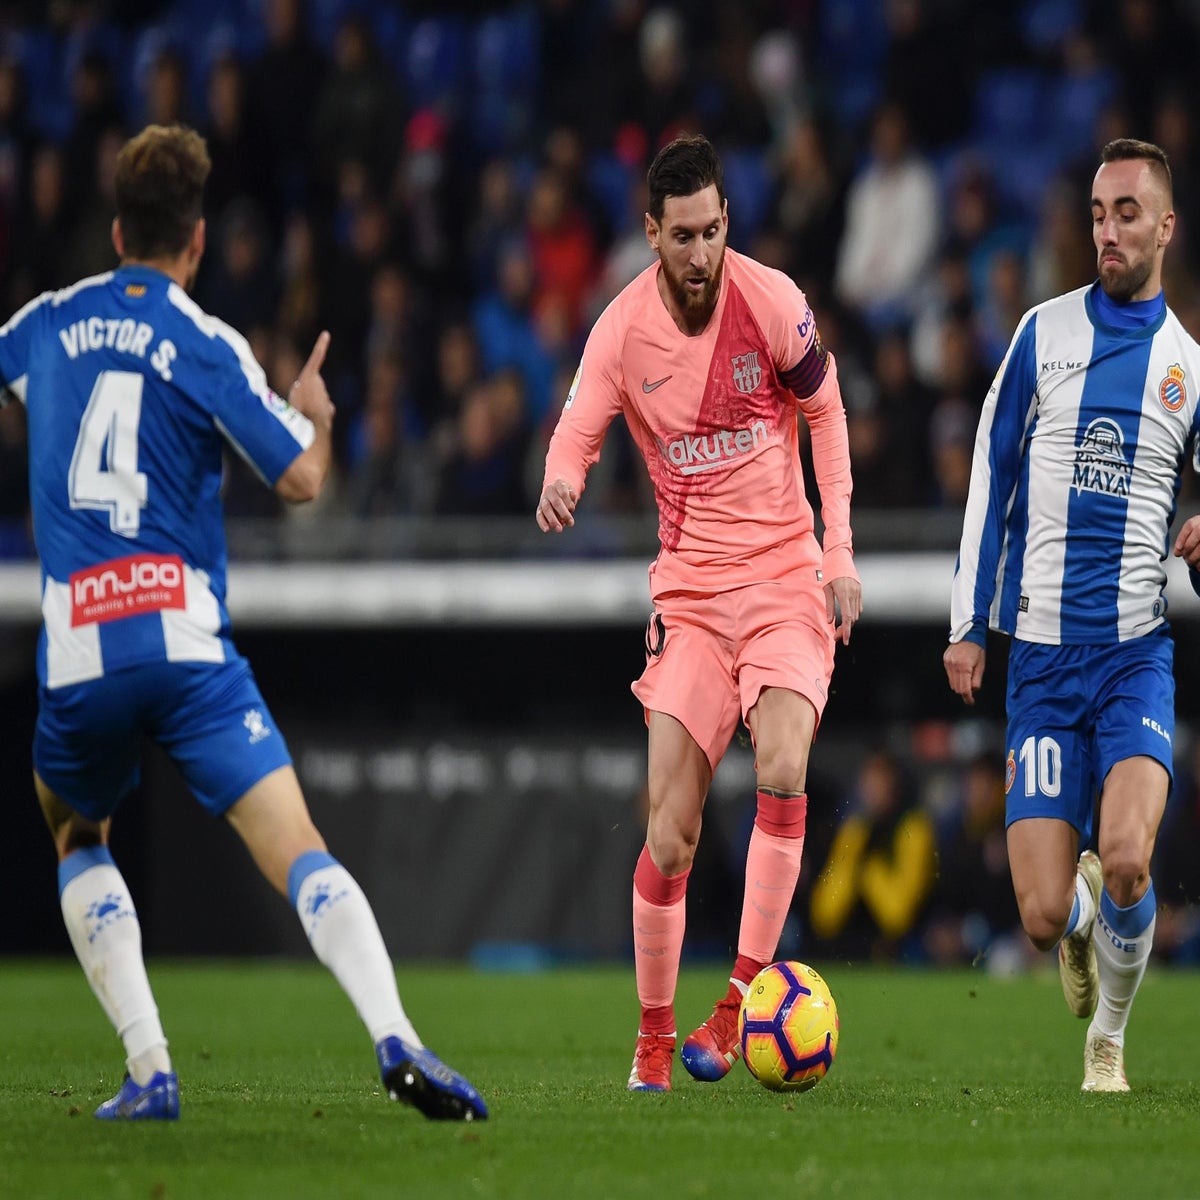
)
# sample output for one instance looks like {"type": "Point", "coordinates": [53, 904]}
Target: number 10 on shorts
{"type": "Point", "coordinates": [1041, 763]}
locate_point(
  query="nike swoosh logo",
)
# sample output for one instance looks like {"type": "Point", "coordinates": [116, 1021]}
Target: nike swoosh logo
{"type": "Point", "coordinates": [648, 387]}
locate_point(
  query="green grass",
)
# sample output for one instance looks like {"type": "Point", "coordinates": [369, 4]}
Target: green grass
{"type": "Point", "coordinates": [950, 1084]}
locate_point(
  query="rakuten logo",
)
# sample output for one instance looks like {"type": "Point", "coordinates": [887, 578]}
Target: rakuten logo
{"type": "Point", "coordinates": [694, 453]}
{"type": "Point", "coordinates": [125, 586]}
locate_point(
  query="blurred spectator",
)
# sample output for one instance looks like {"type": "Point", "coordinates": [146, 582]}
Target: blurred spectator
{"type": "Point", "coordinates": [236, 153]}
{"type": "Point", "coordinates": [385, 475]}
{"type": "Point", "coordinates": [1062, 257]}
{"type": "Point", "coordinates": [283, 83]}
{"type": "Point", "coordinates": [881, 867]}
{"type": "Point", "coordinates": [662, 99]}
{"type": "Point", "coordinates": [358, 111]}
{"type": "Point", "coordinates": [346, 292]}
{"type": "Point", "coordinates": [926, 69]}
{"type": "Point", "coordinates": [628, 256]}
{"type": "Point", "coordinates": [42, 234]}
{"type": "Point", "coordinates": [16, 146]}
{"type": "Point", "coordinates": [878, 266]}
{"type": "Point", "coordinates": [894, 474]}
{"type": "Point", "coordinates": [458, 368]}
{"type": "Point", "coordinates": [94, 111]}
{"type": "Point", "coordinates": [951, 443]}
{"type": "Point", "coordinates": [166, 89]}
{"type": "Point", "coordinates": [92, 249]}
{"type": "Point", "coordinates": [498, 220]}
{"type": "Point", "coordinates": [1148, 42]}
{"type": "Point", "coordinates": [300, 285]}
{"type": "Point", "coordinates": [973, 909]}
{"type": "Point", "coordinates": [484, 470]}
{"type": "Point", "coordinates": [807, 204]}
{"type": "Point", "coordinates": [562, 250]}
{"type": "Point", "coordinates": [239, 284]}
{"type": "Point", "coordinates": [732, 108]}
{"type": "Point", "coordinates": [507, 333]}
{"type": "Point", "coordinates": [976, 231]}
{"type": "Point", "coordinates": [1004, 304]}
{"type": "Point", "coordinates": [777, 72]}
{"type": "Point", "coordinates": [423, 197]}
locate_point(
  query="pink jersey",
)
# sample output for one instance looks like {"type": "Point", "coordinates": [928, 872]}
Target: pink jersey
{"type": "Point", "coordinates": [715, 419]}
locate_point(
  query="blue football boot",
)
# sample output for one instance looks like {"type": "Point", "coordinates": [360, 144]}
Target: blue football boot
{"type": "Point", "coordinates": [420, 1078]}
{"type": "Point", "coordinates": [157, 1101]}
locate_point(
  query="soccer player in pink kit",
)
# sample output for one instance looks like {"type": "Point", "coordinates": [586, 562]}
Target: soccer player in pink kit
{"type": "Point", "coordinates": [709, 354]}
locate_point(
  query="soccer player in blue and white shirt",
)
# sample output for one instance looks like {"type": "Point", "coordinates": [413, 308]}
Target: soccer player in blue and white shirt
{"type": "Point", "coordinates": [1077, 466]}
{"type": "Point", "coordinates": [131, 392]}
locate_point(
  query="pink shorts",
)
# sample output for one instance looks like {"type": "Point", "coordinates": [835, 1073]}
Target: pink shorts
{"type": "Point", "coordinates": [709, 657]}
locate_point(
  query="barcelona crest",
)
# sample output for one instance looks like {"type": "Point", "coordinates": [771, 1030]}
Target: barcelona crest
{"type": "Point", "coordinates": [746, 371]}
{"type": "Point", "coordinates": [1010, 771]}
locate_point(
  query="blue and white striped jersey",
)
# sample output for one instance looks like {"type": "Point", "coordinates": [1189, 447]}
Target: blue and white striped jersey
{"type": "Point", "coordinates": [130, 390]}
{"type": "Point", "coordinates": [1076, 471]}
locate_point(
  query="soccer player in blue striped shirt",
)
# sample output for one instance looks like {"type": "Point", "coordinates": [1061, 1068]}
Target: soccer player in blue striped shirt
{"type": "Point", "coordinates": [1077, 465]}
{"type": "Point", "coordinates": [131, 392]}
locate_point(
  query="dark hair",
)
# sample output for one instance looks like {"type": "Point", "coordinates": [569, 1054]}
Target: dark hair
{"type": "Point", "coordinates": [1124, 149]}
{"type": "Point", "coordinates": [160, 189]}
{"type": "Point", "coordinates": [682, 168]}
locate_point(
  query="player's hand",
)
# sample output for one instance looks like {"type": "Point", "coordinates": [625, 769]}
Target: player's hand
{"type": "Point", "coordinates": [843, 605]}
{"type": "Point", "coordinates": [555, 509]}
{"type": "Point", "coordinates": [964, 662]}
{"type": "Point", "coordinates": [309, 394]}
{"type": "Point", "coordinates": [1187, 544]}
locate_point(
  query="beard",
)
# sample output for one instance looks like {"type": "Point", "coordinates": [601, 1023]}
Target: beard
{"type": "Point", "coordinates": [696, 305]}
{"type": "Point", "coordinates": [1122, 283]}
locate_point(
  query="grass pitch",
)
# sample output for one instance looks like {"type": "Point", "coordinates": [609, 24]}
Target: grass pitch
{"type": "Point", "coordinates": [947, 1084]}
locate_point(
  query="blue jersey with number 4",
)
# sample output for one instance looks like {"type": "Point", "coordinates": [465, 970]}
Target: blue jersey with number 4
{"type": "Point", "coordinates": [131, 393]}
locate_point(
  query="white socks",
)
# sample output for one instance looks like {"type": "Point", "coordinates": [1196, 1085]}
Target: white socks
{"type": "Point", "coordinates": [103, 926]}
{"type": "Point", "coordinates": [1123, 938]}
{"type": "Point", "coordinates": [345, 937]}
{"type": "Point", "coordinates": [1083, 911]}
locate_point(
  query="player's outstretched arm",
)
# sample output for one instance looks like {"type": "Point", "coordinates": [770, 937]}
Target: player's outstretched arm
{"type": "Point", "coordinates": [964, 662]}
{"type": "Point", "coordinates": [555, 510]}
{"type": "Point", "coordinates": [303, 479]}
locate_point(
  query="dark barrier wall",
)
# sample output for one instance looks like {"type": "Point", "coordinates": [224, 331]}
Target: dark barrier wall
{"type": "Point", "coordinates": [485, 787]}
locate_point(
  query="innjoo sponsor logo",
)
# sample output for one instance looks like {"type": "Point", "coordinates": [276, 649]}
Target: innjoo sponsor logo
{"type": "Point", "coordinates": [696, 452]}
{"type": "Point", "coordinates": [126, 586]}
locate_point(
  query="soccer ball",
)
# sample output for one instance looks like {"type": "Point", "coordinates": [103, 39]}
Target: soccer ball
{"type": "Point", "coordinates": [788, 1027]}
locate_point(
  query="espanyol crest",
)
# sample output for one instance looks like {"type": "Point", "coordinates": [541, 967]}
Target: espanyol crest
{"type": "Point", "coordinates": [746, 371]}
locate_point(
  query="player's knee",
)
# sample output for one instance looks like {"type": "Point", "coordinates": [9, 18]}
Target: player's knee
{"type": "Point", "coordinates": [783, 769]}
{"type": "Point", "coordinates": [1043, 923]}
{"type": "Point", "coordinates": [673, 845]}
{"type": "Point", "coordinates": [1126, 875]}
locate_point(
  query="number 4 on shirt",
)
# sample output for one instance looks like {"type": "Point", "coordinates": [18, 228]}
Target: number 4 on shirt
{"type": "Point", "coordinates": [104, 472]}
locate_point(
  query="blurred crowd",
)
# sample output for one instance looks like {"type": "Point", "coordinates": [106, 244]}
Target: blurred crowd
{"type": "Point", "coordinates": [457, 190]}
{"type": "Point", "coordinates": [906, 859]}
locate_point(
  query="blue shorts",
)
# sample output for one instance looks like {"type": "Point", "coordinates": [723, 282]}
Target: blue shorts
{"type": "Point", "coordinates": [209, 717]}
{"type": "Point", "coordinates": [1076, 711]}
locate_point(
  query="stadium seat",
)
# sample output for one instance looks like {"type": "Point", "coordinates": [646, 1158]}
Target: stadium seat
{"type": "Point", "coordinates": [434, 63]}
{"type": "Point", "coordinates": [852, 39]}
{"type": "Point", "coordinates": [748, 186]}
{"type": "Point", "coordinates": [1010, 105]}
{"type": "Point", "coordinates": [40, 55]}
{"type": "Point", "coordinates": [609, 181]}
{"type": "Point", "coordinates": [505, 51]}
{"type": "Point", "coordinates": [1075, 106]}
{"type": "Point", "coordinates": [1044, 24]}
